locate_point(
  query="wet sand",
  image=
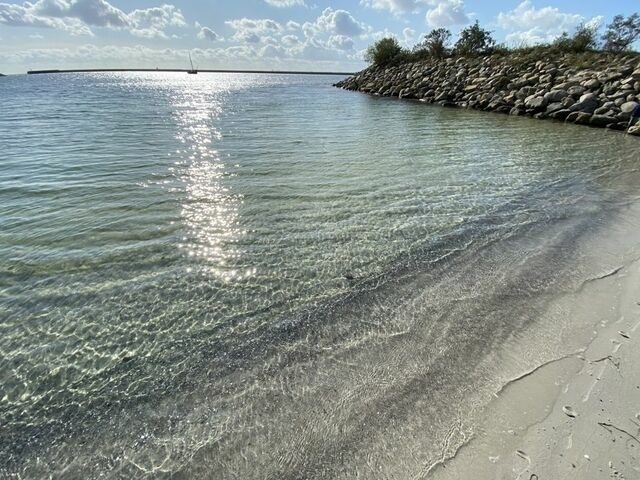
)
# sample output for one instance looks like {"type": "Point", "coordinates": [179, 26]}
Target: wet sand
{"type": "Point", "coordinates": [577, 416]}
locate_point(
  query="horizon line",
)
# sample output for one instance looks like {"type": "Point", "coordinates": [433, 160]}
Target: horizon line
{"type": "Point", "coordinates": [181, 70]}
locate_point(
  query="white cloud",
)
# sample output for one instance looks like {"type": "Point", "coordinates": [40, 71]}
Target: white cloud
{"type": "Point", "coordinates": [395, 6]}
{"type": "Point", "coordinates": [206, 33]}
{"type": "Point", "coordinates": [529, 25]}
{"type": "Point", "coordinates": [291, 25]}
{"type": "Point", "coordinates": [340, 42]}
{"type": "Point", "coordinates": [78, 16]}
{"type": "Point", "coordinates": [447, 13]}
{"type": "Point", "coordinates": [24, 16]}
{"type": "Point", "coordinates": [290, 41]}
{"type": "Point", "coordinates": [339, 22]}
{"type": "Point", "coordinates": [308, 57]}
{"type": "Point", "coordinates": [409, 35]}
{"type": "Point", "coordinates": [285, 3]}
{"type": "Point", "coordinates": [249, 30]}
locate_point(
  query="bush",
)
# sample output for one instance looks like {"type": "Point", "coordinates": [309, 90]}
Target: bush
{"type": "Point", "coordinates": [621, 33]}
{"type": "Point", "coordinates": [384, 51]}
{"type": "Point", "coordinates": [584, 39]}
{"type": "Point", "coordinates": [474, 40]}
{"type": "Point", "coordinates": [435, 44]}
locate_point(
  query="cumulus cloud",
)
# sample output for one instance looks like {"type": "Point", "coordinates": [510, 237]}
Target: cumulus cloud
{"type": "Point", "coordinates": [25, 16]}
{"type": "Point", "coordinates": [339, 22]}
{"type": "Point", "coordinates": [206, 33]}
{"type": "Point", "coordinates": [409, 35]}
{"type": "Point", "coordinates": [340, 42]}
{"type": "Point", "coordinates": [249, 30]}
{"type": "Point", "coordinates": [447, 14]}
{"type": "Point", "coordinates": [285, 3]}
{"type": "Point", "coordinates": [395, 6]}
{"type": "Point", "coordinates": [529, 25]}
{"type": "Point", "coordinates": [77, 16]}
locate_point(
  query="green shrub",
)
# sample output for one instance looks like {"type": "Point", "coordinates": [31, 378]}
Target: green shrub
{"type": "Point", "coordinates": [621, 33]}
{"type": "Point", "coordinates": [384, 51]}
{"type": "Point", "coordinates": [583, 40]}
{"type": "Point", "coordinates": [434, 45]}
{"type": "Point", "coordinates": [474, 40]}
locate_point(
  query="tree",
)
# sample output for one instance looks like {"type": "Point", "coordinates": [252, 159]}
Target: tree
{"type": "Point", "coordinates": [435, 43]}
{"type": "Point", "coordinates": [383, 51]}
{"type": "Point", "coordinates": [585, 38]}
{"type": "Point", "coordinates": [621, 33]}
{"type": "Point", "coordinates": [474, 40]}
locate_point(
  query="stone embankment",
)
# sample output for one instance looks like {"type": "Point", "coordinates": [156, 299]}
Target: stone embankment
{"type": "Point", "coordinates": [601, 92]}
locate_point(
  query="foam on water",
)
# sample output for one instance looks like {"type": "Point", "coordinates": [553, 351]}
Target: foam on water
{"type": "Point", "coordinates": [261, 276]}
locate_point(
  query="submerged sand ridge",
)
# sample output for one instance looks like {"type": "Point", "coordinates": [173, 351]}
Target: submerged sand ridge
{"type": "Point", "coordinates": [597, 90]}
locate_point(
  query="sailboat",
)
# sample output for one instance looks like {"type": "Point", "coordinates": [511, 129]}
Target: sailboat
{"type": "Point", "coordinates": [193, 71]}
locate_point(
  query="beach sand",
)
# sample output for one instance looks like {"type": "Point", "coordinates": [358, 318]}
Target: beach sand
{"type": "Point", "coordinates": [574, 417]}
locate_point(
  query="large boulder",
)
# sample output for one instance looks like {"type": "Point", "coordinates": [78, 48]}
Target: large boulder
{"type": "Point", "coordinates": [554, 107]}
{"type": "Point", "coordinates": [535, 102]}
{"type": "Point", "coordinates": [579, 118]}
{"type": "Point", "coordinates": [602, 120]}
{"type": "Point", "coordinates": [628, 107]}
{"type": "Point", "coordinates": [592, 84]}
{"type": "Point", "coordinates": [556, 96]}
{"type": "Point", "coordinates": [588, 103]}
{"type": "Point", "coordinates": [576, 91]}
{"type": "Point", "coordinates": [560, 114]}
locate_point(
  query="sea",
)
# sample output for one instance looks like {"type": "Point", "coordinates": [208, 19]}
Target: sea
{"type": "Point", "coordinates": [243, 276]}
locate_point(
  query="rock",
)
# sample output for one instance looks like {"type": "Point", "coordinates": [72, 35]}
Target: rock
{"type": "Point", "coordinates": [583, 119]}
{"type": "Point", "coordinates": [535, 102]}
{"type": "Point", "coordinates": [587, 103]}
{"type": "Point", "coordinates": [602, 93]}
{"type": "Point", "coordinates": [524, 92]}
{"type": "Point", "coordinates": [620, 126]}
{"type": "Point", "coordinates": [560, 114]}
{"type": "Point", "coordinates": [555, 96]}
{"type": "Point", "coordinates": [576, 91]}
{"type": "Point", "coordinates": [580, 118]}
{"type": "Point", "coordinates": [554, 107]}
{"type": "Point", "coordinates": [601, 120]}
{"type": "Point", "coordinates": [592, 84]}
{"type": "Point", "coordinates": [628, 107]}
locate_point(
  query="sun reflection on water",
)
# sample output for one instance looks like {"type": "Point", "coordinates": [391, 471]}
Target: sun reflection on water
{"type": "Point", "coordinates": [210, 208]}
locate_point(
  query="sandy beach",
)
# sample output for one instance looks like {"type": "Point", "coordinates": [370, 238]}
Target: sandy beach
{"type": "Point", "coordinates": [577, 416]}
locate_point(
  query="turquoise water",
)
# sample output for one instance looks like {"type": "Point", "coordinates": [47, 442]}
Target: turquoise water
{"type": "Point", "coordinates": [262, 276]}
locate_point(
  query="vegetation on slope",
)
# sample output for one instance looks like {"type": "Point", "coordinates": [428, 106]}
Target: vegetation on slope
{"type": "Point", "coordinates": [618, 38]}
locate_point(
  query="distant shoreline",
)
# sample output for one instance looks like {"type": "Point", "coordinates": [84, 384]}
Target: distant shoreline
{"type": "Point", "coordinates": [176, 70]}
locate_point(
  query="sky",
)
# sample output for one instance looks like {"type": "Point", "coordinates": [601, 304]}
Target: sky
{"type": "Point", "coordinates": [312, 35]}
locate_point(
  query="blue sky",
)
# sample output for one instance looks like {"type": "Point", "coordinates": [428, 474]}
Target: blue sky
{"type": "Point", "coordinates": [261, 34]}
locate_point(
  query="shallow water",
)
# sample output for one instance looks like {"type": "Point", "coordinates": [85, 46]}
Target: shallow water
{"type": "Point", "coordinates": [261, 276]}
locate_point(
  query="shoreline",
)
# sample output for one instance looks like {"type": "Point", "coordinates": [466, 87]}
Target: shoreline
{"type": "Point", "coordinates": [601, 91]}
{"type": "Point", "coordinates": [573, 416]}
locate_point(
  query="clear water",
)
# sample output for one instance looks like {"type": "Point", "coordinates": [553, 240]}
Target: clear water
{"type": "Point", "coordinates": [262, 276]}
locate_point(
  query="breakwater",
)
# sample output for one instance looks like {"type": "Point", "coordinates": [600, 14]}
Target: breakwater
{"type": "Point", "coordinates": [590, 89]}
